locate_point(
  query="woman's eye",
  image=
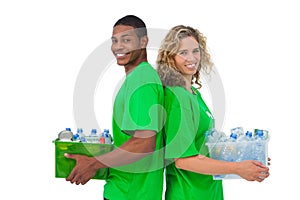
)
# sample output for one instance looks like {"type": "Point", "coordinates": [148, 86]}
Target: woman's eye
{"type": "Point", "coordinates": [196, 50]}
{"type": "Point", "coordinates": [182, 53]}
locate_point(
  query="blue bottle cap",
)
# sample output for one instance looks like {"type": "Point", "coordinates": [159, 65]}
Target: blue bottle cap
{"type": "Point", "coordinates": [249, 134]}
{"type": "Point", "coordinates": [259, 133]}
{"type": "Point", "coordinates": [76, 136]}
{"type": "Point", "coordinates": [233, 135]}
{"type": "Point", "coordinates": [94, 131]}
{"type": "Point", "coordinates": [68, 129]}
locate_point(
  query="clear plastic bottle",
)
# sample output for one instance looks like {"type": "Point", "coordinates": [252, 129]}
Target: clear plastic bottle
{"type": "Point", "coordinates": [246, 137]}
{"type": "Point", "coordinates": [93, 137]}
{"type": "Point", "coordinates": [107, 136]}
{"type": "Point", "coordinates": [259, 152]}
{"type": "Point", "coordinates": [65, 135]}
{"type": "Point", "coordinates": [245, 146]}
{"type": "Point", "coordinates": [238, 131]}
{"type": "Point", "coordinates": [214, 136]}
{"type": "Point", "coordinates": [102, 138]}
{"type": "Point", "coordinates": [79, 136]}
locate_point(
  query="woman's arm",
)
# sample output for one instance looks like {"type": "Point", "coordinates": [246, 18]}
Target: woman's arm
{"type": "Point", "coordinates": [250, 170]}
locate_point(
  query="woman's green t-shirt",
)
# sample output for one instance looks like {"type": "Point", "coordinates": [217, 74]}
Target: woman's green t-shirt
{"type": "Point", "coordinates": [188, 118]}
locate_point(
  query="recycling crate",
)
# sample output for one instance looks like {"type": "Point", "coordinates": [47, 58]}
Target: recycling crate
{"type": "Point", "coordinates": [63, 165]}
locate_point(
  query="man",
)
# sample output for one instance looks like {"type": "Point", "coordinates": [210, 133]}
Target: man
{"type": "Point", "coordinates": [136, 165]}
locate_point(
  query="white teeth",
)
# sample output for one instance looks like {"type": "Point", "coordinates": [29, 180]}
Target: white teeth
{"type": "Point", "coordinates": [191, 66]}
{"type": "Point", "coordinates": [120, 54]}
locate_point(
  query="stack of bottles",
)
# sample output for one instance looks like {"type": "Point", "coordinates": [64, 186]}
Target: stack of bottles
{"type": "Point", "coordinates": [92, 137]}
{"type": "Point", "coordinates": [238, 146]}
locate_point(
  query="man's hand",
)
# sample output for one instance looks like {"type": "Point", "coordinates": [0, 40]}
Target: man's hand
{"type": "Point", "coordinates": [141, 144]}
{"type": "Point", "coordinates": [84, 169]}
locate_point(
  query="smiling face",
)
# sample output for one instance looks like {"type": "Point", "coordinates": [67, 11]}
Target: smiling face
{"type": "Point", "coordinates": [188, 57]}
{"type": "Point", "coordinates": [127, 46]}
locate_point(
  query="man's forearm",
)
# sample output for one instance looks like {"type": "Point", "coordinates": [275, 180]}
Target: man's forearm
{"type": "Point", "coordinates": [132, 150]}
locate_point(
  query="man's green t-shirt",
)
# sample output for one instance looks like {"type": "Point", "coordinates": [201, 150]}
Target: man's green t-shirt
{"type": "Point", "coordinates": [188, 118]}
{"type": "Point", "coordinates": [138, 106]}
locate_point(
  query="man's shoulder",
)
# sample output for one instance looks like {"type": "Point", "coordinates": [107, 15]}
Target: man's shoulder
{"type": "Point", "coordinates": [145, 68]}
{"type": "Point", "coordinates": [145, 73]}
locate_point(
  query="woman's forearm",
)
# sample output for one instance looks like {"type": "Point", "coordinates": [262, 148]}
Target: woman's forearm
{"type": "Point", "coordinates": [204, 165]}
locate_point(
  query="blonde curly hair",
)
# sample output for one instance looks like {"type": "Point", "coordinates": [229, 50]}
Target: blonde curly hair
{"type": "Point", "coordinates": [170, 46]}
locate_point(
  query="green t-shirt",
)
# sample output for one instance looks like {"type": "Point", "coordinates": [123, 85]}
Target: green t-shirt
{"type": "Point", "coordinates": [138, 106]}
{"type": "Point", "coordinates": [188, 118]}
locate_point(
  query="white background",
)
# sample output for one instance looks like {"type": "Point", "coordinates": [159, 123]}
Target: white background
{"type": "Point", "coordinates": [43, 44]}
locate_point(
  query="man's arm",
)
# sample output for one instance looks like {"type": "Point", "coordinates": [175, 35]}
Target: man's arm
{"type": "Point", "coordinates": [141, 144]}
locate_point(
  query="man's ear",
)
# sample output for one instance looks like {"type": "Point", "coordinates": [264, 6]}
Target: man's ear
{"type": "Point", "coordinates": [144, 42]}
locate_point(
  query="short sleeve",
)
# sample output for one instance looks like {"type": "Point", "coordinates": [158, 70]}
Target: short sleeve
{"type": "Point", "coordinates": [179, 129]}
{"type": "Point", "coordinates": [142, 109]}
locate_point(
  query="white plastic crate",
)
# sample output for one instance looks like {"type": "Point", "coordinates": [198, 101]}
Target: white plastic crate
{"type": "Point", "coordinates": [238, 151]}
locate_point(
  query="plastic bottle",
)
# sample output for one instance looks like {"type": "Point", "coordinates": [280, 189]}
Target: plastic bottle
{"type": "Point", "coordinates": [79, 136]}
{"type": "Point", "coordinates": [107, 136]}
{"type": "Point", "coordinates": [65, 135]}
{"type": "Point", "coordinates": [214, 136]}
{"type": "Point", "coordinates": [261, 134]}
{"type": "Point", "coordinates": [259, 152]}
{"type": "Point", "coordinates": [93, 137]}
{"type": "Point", "coordinates": [102, 139]}
{"type": "Point", "coordinates": [238, 131]}
{"type": "Point", "coordinates": [246, 137]}
{"type": "Point", "coordinates": [244, 146]}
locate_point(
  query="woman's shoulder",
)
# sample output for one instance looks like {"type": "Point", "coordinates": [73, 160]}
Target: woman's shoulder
{"type": "Point", "coordinates": [176, 95]}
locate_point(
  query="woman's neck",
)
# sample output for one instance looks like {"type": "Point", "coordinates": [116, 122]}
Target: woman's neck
{"type": "Point", "coordinates": [188, 83]}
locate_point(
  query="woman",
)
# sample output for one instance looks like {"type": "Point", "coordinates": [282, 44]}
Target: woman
{"type": "Point", "coordinates": [189, 169]}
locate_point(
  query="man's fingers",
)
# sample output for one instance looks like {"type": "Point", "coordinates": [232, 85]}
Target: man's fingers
{"type": "Point", "coordinates": [67, 155]}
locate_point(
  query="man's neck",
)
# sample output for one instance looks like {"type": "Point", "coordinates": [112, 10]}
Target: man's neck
{"type": "Point", "coordinates": [130, 67]}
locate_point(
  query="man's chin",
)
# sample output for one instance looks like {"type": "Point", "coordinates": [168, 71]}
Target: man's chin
{"type": "Point", "coordinates": [121, 63]}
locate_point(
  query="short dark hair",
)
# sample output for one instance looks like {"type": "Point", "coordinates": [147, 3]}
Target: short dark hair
{"type": "Point", "coordinates": [135, 22]}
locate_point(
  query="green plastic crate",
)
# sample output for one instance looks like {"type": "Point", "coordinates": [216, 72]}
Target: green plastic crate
{"type": "Point", "coordinates": [64, 166]}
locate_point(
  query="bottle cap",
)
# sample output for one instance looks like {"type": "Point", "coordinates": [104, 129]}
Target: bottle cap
{"type": "Point", "coordinates": [94, 131]}
{"type": "Point", "coordinates": [249, 134]}
{"type": "Point", "coordinates": [79, 130]}
{"type": "Point", "coordinates": [233, 135]}
{"type": "Point", "coordinates": [259, 133]}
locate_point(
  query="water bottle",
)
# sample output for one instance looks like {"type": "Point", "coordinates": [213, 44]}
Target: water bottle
{"type": "Point", "coordinates": [214, 136]}
{"type": "Point", "coordinates": [245, 146]}
{"type": "Point", "coordinates": [79, 136]}
{"type": "Point", "coordinates": [238, 131]}
{"type": "Point", "coordinates": [65, 135]}
{"type": "Point", "coordinates": [107, 136]}
{"type": "Point", "coordinates": [102, 138]}
{"type": "Point", "coordinates": [93, 137]}
{"type": "Point", "coordinates": [261, 138]}
{"type": "Point", "coordinates": [246, 137]}
{"type": "Point", "coordinates": [261, 134]}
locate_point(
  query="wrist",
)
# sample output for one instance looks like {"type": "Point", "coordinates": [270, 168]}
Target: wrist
{"type": "Point", "coordinates": [96, 163]}
{"type": "Point", "coordinates": [236, 166]}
